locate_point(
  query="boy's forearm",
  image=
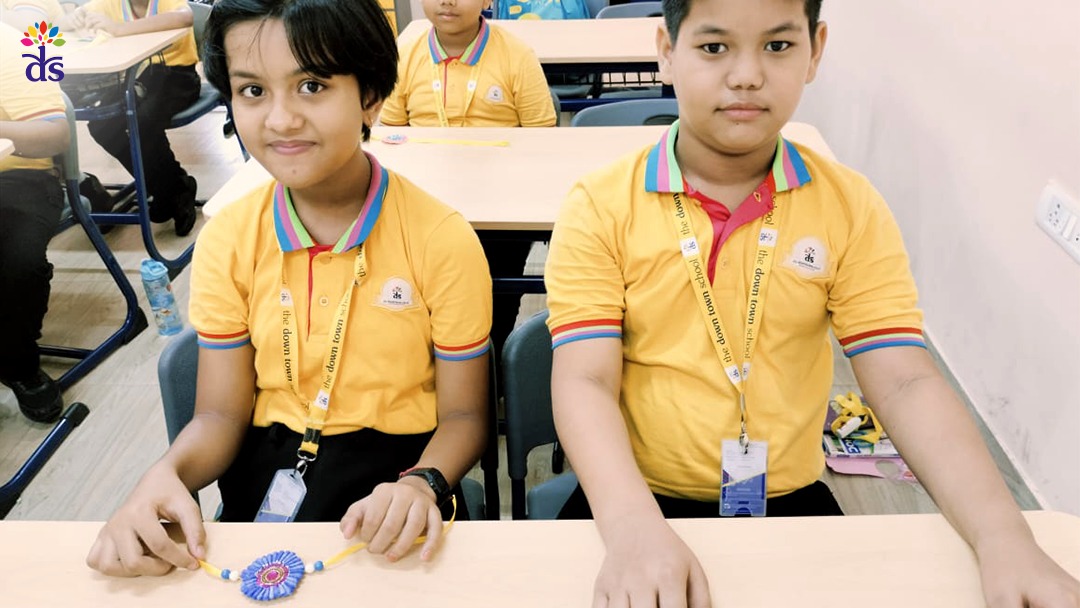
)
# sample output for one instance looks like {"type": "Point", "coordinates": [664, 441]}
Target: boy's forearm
{"type": "Point", "coordinates": [456, 445]}
{"type": "Point", "coordinates": [939, 440]}
{"type": "Point", "coordinates": [156, 23]}
{"type": "Point", "coordinates": [36, 138]}
{"type": "Point", "coordinates": [593, 432]}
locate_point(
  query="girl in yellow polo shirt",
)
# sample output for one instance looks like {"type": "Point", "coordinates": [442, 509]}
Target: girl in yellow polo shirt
{"type": "Point", "coordinates": [342, 313]}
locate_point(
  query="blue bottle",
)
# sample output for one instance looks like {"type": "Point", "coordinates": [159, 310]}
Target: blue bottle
{"type": "Point", "coordinates": [155, 279]}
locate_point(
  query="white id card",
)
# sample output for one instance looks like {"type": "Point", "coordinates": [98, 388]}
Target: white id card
{"type": "Point", "coordinates": [742, 486]}
{"type": "Point", "coordinates": [283, 499]}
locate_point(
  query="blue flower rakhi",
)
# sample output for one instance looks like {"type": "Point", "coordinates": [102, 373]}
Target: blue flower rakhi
{"type": "Point", "coordinates": [276, 575]}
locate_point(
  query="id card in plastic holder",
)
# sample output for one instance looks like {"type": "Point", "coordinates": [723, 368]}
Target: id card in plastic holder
{"type": "Point", "coordinates": [742, 489]}
{"type": "Point", "coordinates": [283, 499]}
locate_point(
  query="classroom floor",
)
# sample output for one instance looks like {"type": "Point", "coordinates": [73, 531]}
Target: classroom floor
{"type": "Point", "coordinates": [124, 434]}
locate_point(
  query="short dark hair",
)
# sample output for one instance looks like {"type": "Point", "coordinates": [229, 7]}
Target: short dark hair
{"type": "Point", "coordinates": [675, 12]}
{"type": "Point", "coordinates": [327, 37]}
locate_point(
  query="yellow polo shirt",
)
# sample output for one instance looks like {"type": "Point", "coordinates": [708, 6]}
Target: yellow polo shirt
{"type": "Point", "coordinates": [181, 52]}
{"type": "Point", "coordinates": [510, 91]}
{"type": "Point", "coordinates": [615, 269]}
{"type": "Point", "coordinates": [427, 294]}
{"type": "Point", "coordinates": [22, 99]}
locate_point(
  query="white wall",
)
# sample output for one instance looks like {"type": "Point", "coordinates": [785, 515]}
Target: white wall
{"type": "Point", "coordinates": [960, 111]}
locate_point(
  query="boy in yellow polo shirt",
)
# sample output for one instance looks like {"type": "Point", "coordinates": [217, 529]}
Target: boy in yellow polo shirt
{"type": "Point", "coordinates": [467, 72]}
{"type": "Point", "coordinates": [675, 268]}
{"type": "Point", "coordinates": [166, 88]}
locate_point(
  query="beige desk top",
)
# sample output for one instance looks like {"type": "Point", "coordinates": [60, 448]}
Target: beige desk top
{"type": "Point", "coordinates": [116, 54]}
{"type": "Point", "coordinates": [894, 560]}
{"type": "Point", "coordinates": [7, 147]}
{"type": "Point", "coordinates": [517, 187]}
{"type": "Point", "coordinates": [574, 40]}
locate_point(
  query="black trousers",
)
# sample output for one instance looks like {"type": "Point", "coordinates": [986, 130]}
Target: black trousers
{"type": "Point", "coordinates": [814, 499]}
{"type": "Point", "coordinates": [505, 259]}
{"type": "Point", "coordinates": [348, 468]}
{"type": "Point", "coordinates": [163, 91]}
{"type": "Point", "coordinates": [30, 205]}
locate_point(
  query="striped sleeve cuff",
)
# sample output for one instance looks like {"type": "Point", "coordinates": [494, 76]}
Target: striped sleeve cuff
{"type": "Point", "coordinates": [48, 114]}
{"type": "Point", "coordinates": [223, 341]}
{"type": "Point", "coordinates": [585, 330]}
{"type": "Point", "coordinates": [882, 338]}
{"type": "Point", "coordinates": [462, 353]}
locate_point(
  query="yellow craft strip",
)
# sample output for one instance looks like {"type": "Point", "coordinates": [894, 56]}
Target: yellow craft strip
{"type": "Point", "coordinates": [457, 142]}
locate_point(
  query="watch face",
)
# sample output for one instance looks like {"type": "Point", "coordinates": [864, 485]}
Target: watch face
{"type": "Point", "coordinates": [436, 481]}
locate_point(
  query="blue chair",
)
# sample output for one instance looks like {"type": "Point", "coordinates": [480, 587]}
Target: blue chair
{"type": "Point", "coordinates": [629, 113]}
{"type": "Point", "coordinates": [633, 9]}
{"type": "Point", "coordinates": [526, 361]}
{"type": "Point", "coordinates": [135, 320]}
{"type": "Point", "coordinates": [178, 370]}
{"type": "Point", "coordinates": [595, 6]}
{"type": "Point", "coordinates": [209, 98]}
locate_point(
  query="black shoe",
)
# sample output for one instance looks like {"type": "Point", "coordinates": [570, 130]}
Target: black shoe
{"type": "Point", "coordinates": [185, 207]}
{"type": "Point", "coordinates": [100, 199]}
{"type": "Point", "coordinates": [160, 211]}
{"type": "Point", "coordinates": [39, 398]}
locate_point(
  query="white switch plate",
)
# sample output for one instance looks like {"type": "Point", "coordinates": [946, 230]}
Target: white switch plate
{"type": "Point", "coordinates": [1058, 214]}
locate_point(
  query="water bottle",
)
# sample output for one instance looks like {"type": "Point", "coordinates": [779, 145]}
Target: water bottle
{"type": "Point", "coordinates": [155, 279]}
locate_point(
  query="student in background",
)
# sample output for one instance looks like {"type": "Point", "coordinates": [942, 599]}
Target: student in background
{"type": "Point", "coordinates": [485, 78]}
{"type": "Point", "coordinates": [32, 117]}
{"type": "Point", "coordinates": [166, 87]}
{"type": "Point", "coordinates": [336, 250]}
{"type": "Point", "coordinates": [724, 244]}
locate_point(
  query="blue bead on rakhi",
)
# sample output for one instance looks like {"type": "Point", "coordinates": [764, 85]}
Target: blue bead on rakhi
{"type": "Point", "coordinates": [276, 575]}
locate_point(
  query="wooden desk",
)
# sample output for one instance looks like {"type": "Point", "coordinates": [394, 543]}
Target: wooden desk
{"type": "Point", "coordinates": [7, 148]}
{"type": "Point", "coordinates": [517, 187]}
{"type": "Point", "coordinates": [116, 54]}
{"type": "Point", "coordinates": [576, 41]}
{"type": "Point", "coordinates": [891, 560]}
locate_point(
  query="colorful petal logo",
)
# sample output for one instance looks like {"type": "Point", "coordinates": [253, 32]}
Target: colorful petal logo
{"type": "Point", "coordinates": [43, 33]}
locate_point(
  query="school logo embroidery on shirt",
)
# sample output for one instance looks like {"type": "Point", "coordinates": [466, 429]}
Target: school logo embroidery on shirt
{"type": "Point", "coordinates": [494, 94]}
{"type": "Point", "coordinates": [396, 294]}
{"type": "Point", "coordinates": [808, 257]}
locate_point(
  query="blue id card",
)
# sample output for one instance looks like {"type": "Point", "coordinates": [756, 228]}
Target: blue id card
{"type": "Point", "coordinates": [283, 499]}
{"type": "Point", "coordinates": [742, 489]}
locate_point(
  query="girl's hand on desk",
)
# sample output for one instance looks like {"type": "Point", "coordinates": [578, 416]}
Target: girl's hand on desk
{"type": "Point", "coordinates": [1016, 573]}
{"type": "Point", "coordinates": [134, 542]}
{"type": "Point", "coordinates": [649, 566]}
{"type": "Point", "coordinates": [393, 516]}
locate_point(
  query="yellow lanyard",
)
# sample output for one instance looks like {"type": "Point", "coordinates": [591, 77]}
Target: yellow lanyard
{"type": "Point", "coordinates": [290, 348]}
{"type": "Point", "coordinates": [755, 305]}
{"type": "Point", "coordinates": [437, 86]}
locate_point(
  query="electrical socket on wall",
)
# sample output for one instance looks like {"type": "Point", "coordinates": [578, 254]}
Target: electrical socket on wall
{"type": "Point", "coordinates": [1058, 214]}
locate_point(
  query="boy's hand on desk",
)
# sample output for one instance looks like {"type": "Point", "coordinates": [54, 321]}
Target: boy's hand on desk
{"type": "Point", "coordinates": [649, 566]}
{"type": "Point", "coordinates": [393, 516]}
{"type": "Point", "coordinates": [1016, 573]}
{"type": "Point", "coordinates": [134, 542]}
{"type": "Point", "coordinates": [94, 21]}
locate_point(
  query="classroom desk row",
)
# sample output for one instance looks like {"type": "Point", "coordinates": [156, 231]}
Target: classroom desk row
{"type": "Point", "coordinates": [519, 186]}
{"type": "Point", "coordinates": [884, 560]}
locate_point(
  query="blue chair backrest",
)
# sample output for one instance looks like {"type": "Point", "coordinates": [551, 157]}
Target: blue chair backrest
{"type": "Point", "coordinates": [178, 369]}
{"type": "Point", "coordinates": [633, 9]}
{"type": "Point", "coordinates": [595, 6]}
{"type": "Point", "coordinates": [629, 113]}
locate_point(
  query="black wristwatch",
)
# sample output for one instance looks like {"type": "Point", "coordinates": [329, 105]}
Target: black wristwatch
{"type": "Point", "coordinates": [435, 480]}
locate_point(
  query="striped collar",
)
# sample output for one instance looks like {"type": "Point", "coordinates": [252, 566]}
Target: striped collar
{"type": "Point", "coordinates": [292, 235]}
{"type": "Point", "coordinates": [129, 13]}
{"type": "Point", "coordinates": [472, 52]}
{"type": "Point", "coordinates": [662, 173]}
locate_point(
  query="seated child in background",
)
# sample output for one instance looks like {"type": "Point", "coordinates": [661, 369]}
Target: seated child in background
{"type": "Point", "coordinates": [337, 250]}
{"type": "Point", "coordinates": [32, 117]}
{"type": "Point", "coordinates": [657, 279]}
{"type": "Point", "coordinates": [485, 78]}
{"type": "Point", "coordinates": [167, 87]}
